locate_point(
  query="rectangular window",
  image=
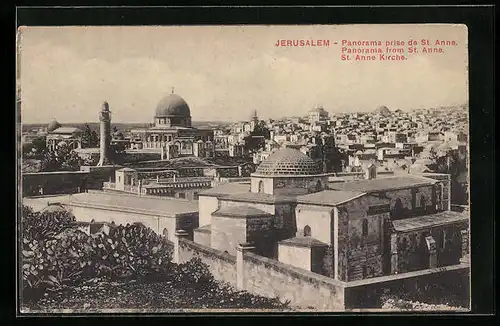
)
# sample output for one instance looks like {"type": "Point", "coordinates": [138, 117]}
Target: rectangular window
{"type": "Point", "coordinates": [195, 195]}
{"type": "Point", "coordinates": [182, 195]}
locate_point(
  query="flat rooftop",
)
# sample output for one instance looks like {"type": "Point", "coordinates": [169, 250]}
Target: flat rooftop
{"type": "Point", "coordinates": [398, 182]}
{"type": "Point", "coordinates": [240, 211]}
{"type": "Point", "coordinates": [328, 197]}
{"type": "Point", "coordinates": [307, 242]}
{"type": "Point", "coordinates": [226, 189]}
{"type": "Point", "coordinates": [426, 221]}
{"type": "Point", "coordinates": [160, 206]}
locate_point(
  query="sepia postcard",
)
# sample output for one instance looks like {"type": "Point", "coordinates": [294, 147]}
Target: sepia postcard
{"type": "Point", "coordinates": [317, 168]}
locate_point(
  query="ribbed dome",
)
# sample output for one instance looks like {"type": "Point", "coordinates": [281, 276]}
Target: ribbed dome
{"type": "Point", "coordinates": [53, 125]}
{"type": "Point", "coordinates": [288, 161]}
{"type": "Point", "coordinates": [172, 106]}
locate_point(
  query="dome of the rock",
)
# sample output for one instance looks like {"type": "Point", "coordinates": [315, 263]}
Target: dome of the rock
{"type": "Point", "coordinates": [172, 106]}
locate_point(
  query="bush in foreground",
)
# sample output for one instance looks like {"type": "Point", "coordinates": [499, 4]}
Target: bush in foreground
{"type": "Point", "coordinates": [54, 253]}
{"type": "Point", "coordinates": [131, 267]}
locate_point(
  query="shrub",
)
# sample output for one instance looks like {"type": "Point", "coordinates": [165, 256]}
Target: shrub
{"type": "Point", "coordinates": [54, 254]}
{"type": "Point", "coordinates": [193, 273]}
{"type": "Point", "coordinates": [44, 225]}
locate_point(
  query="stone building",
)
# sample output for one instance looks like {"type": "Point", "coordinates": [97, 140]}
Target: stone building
{"type": "Point", "coordinates": [58, 135]}
{"type": "Point", "coordinates": [172, 132]}
{"type": "Point", "coordinates": [345, 230]}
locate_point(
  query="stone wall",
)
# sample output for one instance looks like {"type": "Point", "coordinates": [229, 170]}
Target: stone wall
{"type": "Point", "coordinates": [268, 208]}
{"type": "Point", "coordinates": [227, 233]}
{"type": "Point", "coordinates": [407, 202]}
{"type": "Point", "coordinates": [66, 182]}
{"type": "Point", "coordinates": [295, 256]}
{"type": "Point", "coordinates": [86, 213]}
{"type": "Point", "coordinates": [318, 218]}
{"type": "Point", "coordinates": [160, 224]}
{"type": "Point", "coordinates": [271, 278]}
{"type": "Point", "coordinates": [203, 237]}
{"type": "Point", "coordinates": [360, 255]}
{"type": "Point", "coordinates": [445, 181]}
{"type": "Point", "coordinates": [51, 183]}
{"type": "Point", "coordinates": [412, 252]}
{"type": "Point", "coordinates": [427, 286]}
{"type": "Point", "coordinates": [207, 205]}
{"type": "Point", "coordinates": [366, 250]}
{"type": "Point", "coordinates": [267, 277]}
{"type": "Point", "coordinates": [222, 266]}
{"type": "Point", "coordinates": [307, 185]}
{"type": "Point", "coordinates": [99, 174]}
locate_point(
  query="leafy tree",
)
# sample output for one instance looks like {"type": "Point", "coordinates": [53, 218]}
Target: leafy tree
{"type": "Point", "coordinates": [62, 159]}
{"type": "Point", "coordinates": [328, 154]}
{"type": "Point", "coordinates": [34, 149]}
{"type": "Point", "coordinates": [117, 152]}
{"type": "Point", "coordinates": [94, 139]}
{"type": "Point", "coordinates": [86, 135]}
{"type": "Point", "coordinates": [256, 140]}
{"type": "Point", "coordinates": [27, 150]}
{"type": "Point", "coordinates": [89, 137]}
{"type": "Point", "coordinates": [49, 161]}
{"type": "Point", "coordinates": [41, 225]}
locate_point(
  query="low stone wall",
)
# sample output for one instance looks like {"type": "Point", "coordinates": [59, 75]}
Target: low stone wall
{"type": "Point", "coordinates": [50, 183]}
{"type": "Point", "coordinates": [271, 278]}
{"type": "Point", "coordinates": [222, 266]}
{"type": "Point", "coordinates": [66, 182]}
{"type": "Point", "coordinates": [426, 286]}
{"type": "Point", "coordinates": [267, 277]}
{"type": "Point", "coordinates": [99, 174]}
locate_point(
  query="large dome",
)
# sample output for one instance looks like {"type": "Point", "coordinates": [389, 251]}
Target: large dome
{"type": "Point", "coordinates": [288, 161]}
{"type": "Point", "coordinates": [172, 106]}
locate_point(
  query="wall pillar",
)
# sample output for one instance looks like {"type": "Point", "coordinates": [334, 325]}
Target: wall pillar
{"type": "Point", "coordinates": [240, 264]}
{"type": "Point", "coordinates": [394, 254]}
{"type": "Point", "coordinates": [177, 249]}
{"type": "Point", "coordinates": [465, 242]}
{"type": "Point", "coordinates": [431, 246]}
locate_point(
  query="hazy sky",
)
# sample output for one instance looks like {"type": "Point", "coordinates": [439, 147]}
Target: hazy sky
{"type": "Point", "coordinates": [224, 73]}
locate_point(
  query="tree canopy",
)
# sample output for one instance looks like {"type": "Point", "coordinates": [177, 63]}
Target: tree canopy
{"type": "Point", "coordinates": [256, 140]}
{"type": "Point", "coordinates": [61, 159]}
{"type": "Point", "coordinates": [89, 137]}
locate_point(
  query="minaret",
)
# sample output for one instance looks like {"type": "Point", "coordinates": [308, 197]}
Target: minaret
{"type": "Point", "coordinates": [105, 136]}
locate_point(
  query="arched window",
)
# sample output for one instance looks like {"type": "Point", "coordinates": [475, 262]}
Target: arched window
{"type": "Point", "coordinates": [165, 233]}
{"type": "Point", "coordinates": [365, 227]}
{"type": "Point", "coordinates": [261, 186]}
{"type": "Point", "coordinates": [307, 231]}
{"type": "Point", "coordinates": [319, 186]}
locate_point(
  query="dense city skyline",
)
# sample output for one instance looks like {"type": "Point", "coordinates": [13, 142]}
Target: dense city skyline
{"type": "Point", "coordinates": [224, 73]}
